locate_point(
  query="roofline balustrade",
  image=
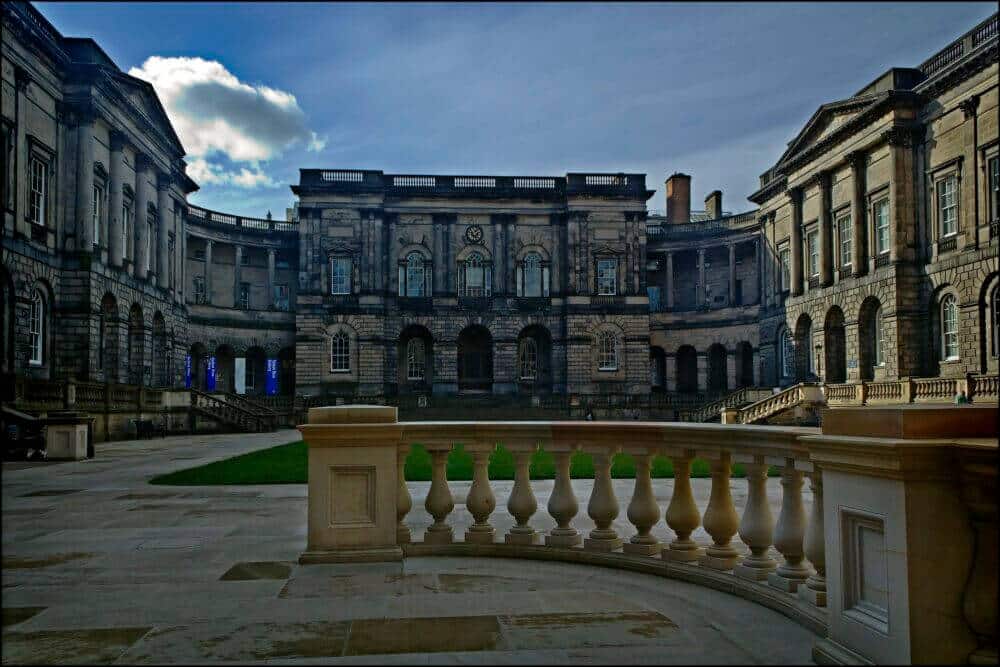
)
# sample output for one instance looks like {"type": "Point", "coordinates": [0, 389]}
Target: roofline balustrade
{"type": "Point", "coordinates": [198, 214]}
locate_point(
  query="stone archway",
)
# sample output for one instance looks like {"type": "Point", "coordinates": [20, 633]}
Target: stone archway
{"type": "Point", "coordinates": [744, 365]}
{"type": "Point", "coordinates": [475, 360]}
{"type": "Point", "coordinates": [415, 354]}
{"type": "Point", "coordinates": [534, 358]}
{"type": "Point", "coordinates": [718, 380]}
{"type": "Point", "coordinates": [687, 370]}
{"type": "Point", "coordinates": [835, 346]}
{"type": "Point", "coordinates": [804, 368]}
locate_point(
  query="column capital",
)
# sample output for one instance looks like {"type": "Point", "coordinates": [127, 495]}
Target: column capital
{"type": "Point", "coordinates": [164, 181]}
{"type": "Point", "coordinates": [857, 159]}
{"type": "Point", "coordinates": [969, 106]}
{"type": "Point", "coordinates": [143, 162]}
{"type": "Point", "coordinates": [899, 135]}
{"type": "Point", "coordinates": [794, 194]}
{"type": "Point", "coordinates": [119, 140]}
{"type": "Point", "coordinates": [22, 78]}
{"type": "Point", "coordinates": [821, 178]}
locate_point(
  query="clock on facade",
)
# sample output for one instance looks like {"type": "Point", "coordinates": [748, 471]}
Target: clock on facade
{"type": "Point", "coordinates": [474, 234]}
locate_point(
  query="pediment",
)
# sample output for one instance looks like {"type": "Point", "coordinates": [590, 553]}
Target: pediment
{"type": "Point", "coordinates": [828, 119]}
{"type": "Point", "coordinates": [143, 97]}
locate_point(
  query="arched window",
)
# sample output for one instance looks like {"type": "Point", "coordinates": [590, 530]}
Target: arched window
{"type": "Point", "coordinates": [607, 350]}
{"type": "Point", "coordinates": [949, 328]}
{"type": "Point", "coordinates": [527, 359]}
{"type": "Point", "coordinates": [340, 353]}
{"type": "Point", "coordinates": [532, 281]}
{"type": "Point", "coordinates": [411, 277]}
{"type": "Point", "coordinates": [415, 359]}
{"type": "Point", "coordinates": [36, 328]}
{"type": "Point", "coordinates": [475, 277]}
{"type": "Point", "coordinates": [786, 353]}
{"type": "Point", "coordinates": [995, 320]}
{"type": "Point", "coordinates": [878, 339]}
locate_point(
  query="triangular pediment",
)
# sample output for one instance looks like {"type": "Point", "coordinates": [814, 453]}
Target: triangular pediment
{"type": "Point", "coordinates": [827, 120]}
{"type": "Point", "coordinates": [143, 97]}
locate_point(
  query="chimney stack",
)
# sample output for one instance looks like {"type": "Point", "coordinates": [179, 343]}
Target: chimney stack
{"type": "Point", "coordinates": [678, 198]}
{"type": "Point", "coordinates": [713, 204]}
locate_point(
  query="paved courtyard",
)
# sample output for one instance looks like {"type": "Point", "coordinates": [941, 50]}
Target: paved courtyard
{"type": "Point", "coordinates": [99, 566]}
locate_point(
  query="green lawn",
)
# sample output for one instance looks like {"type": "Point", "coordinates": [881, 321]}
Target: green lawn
{"type": "Point", "coordinates": [286, 464]}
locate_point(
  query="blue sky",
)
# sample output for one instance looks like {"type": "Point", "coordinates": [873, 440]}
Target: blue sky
{"type": "Point", "coordinates": [716, 90]}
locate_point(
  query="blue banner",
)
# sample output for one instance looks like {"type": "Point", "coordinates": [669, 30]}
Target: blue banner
{"type": "Point", "coordinates": [210, 374]}
{"type": "Point", "coordinates": [187, 372]}
{"type": "Point", "coordinates": [271, 377]}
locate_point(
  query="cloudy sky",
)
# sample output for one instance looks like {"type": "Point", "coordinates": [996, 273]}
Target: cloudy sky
{"type": "Point", "coordinates": [716, 90]}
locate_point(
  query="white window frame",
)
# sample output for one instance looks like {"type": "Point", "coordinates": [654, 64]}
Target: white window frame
{"type": "Point", "coordinates": [607, 276]}
{"type": "Point", "coordinates": [341, 269]}
{"type": "Point", "coordinates": [812, 246]}
{"type": "Point", "coordinates": [412, 275]}
{"type": "Point", "coordinates": [474, 269]}
{"type": "Point", "coordinates": [340, 353]}
{"type": "Point", "coordinates": [785, 267]}
{"type": "Point", "coordinates": [947, 205]}
{"type": "Point", "coordinates": [150, 232]}
{"type": "Point", "coordinates": [878, 339]}
{"type": "Point", "coordinates": [993, 174]}
{"type": "Point", "coordinates": [607, 351]}
{"type": "Point", "coordinates": [787, 352]}
{"type": "Point", "coordinates": [98, 210]}
{"type": "Point", "coordinates": [845, 233]}
{"type": "Point", "coordinates": [527, 359]}
{"type": "Point", "coordinates": [36, 329]}
{"type": "Point", "coordinates": [532, 269]}
{"type": "Point", "coordinates": [881, 221]}
{"type": "Point", "coordinates": [416, 360]}
{"type": "Point", "coordinates": [127, 204]}
{"type": "Point", "coordinates": [949, 328]}
{"type": "Point", "coordinates": [38, 189]}
{"type": "Point", "coordinates": [995, 321]}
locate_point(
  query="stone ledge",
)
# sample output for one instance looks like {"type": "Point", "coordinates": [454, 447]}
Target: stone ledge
{"type": "Point", "coordinates": [809, 617]}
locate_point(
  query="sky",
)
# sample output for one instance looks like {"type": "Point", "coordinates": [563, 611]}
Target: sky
{"type": "Point", "coordinates": [258, 90]}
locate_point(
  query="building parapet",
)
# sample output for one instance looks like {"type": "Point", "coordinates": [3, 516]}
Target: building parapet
{"type": "Point", "coordinates": [740, 222]}
{"type": "Point", "coordinates": [201, 215]}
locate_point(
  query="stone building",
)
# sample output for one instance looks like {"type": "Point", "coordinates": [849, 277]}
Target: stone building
{"type": "Point", "coordinates": [872, 255]}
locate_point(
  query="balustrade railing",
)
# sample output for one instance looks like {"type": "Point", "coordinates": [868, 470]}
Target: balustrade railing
{"type": "Point", "coordinates": [260, 224]}
{"type": "Point", "coordinates": [799, 395]}
{"type": "Point", "coordinates": [222, 410]}
{"type": "Point", "coordinates": [936, 390]}
{"type": "Point", "coordinates": [738, 398]}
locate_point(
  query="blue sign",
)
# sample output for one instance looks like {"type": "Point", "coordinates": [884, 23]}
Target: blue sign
{"type": "Point", "coordinates": [271, 377]}
{"type": "Point", "coordinates": [210, 375]}
{"type": "Point", "coordinates": [187, 372]}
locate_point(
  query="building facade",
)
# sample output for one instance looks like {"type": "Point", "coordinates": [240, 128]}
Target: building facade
{"type": "Point", "coordinates": [872, 254]}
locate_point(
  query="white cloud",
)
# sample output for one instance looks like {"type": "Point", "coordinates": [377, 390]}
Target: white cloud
{"type": "Point", "coordinates": [214, 113]}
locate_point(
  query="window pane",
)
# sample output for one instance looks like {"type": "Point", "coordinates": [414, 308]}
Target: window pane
{"type": "Point", "coordinates": [606, 276]}
{"type": "Point", "coordinates": [812, 242]}
{"type": "Point", "coordinates": [340, 275]}
{"type": "Point", "coordinates": [949, 328]}
{"type": "Point", "coordinates": [882, 226]}
{"type": "Point", "coordinates": [846, 239]}
{"type": "Point", "coordinates": [532, 275]}
{"type": "Point", "coordinates": [948, 206]}
{"type": "Point", "coordinates": [414, 275]}
{"type": "Point", "coordinates": [528, 359]}
{"type": "Point", "coordinates": [340, 353]}
{"type": "Point", "coordinates": [415, 365]}
{"type": "Point", "coordinates": [607, 352]}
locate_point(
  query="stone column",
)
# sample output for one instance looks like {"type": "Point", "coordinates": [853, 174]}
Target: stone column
{"type": "Point", "coordinates": [84, 182]}
{"type": "Point", "coordinates": [669, 285]}
{"type": "Point", "coordinates": [720, 519]}
{"type": "Point", "coordinates": [700, 292]}
{"type": "Point", "coordinates": [859, 234]}
{"type": "Point", "coordinates": [164, 210]}
{"type": "Point", "coordinates": [181, 245]}
{"type": "Point", "coordinates": [270, 276]}
{"type": "Point", "coordinates": [603, 506]}
{"type": "Point", "coordinates": [208, 271]}
{"type": "Point", "coordinates": [522, 504]}
{"type": "Point", "coordinates": [140, 226]}
{"type": "Point", "coordinates": [509, 278]}
{"type": "Point", "coordinates": [682, 513]}
{"type": "Point", "coordinates": [116, 176]}
{"type": "Point", "coordinates": [440, 267]}
{"type": "Point", "coordinates": [480, 501]}
{"type": "Point", "coordinates": [814, 590]}
{"type": "Point", "coordinates": [795, 195]}
{"type": "Point", "coordinates": [902, 198]}
{"type": "Point", "coordinates": [757, 526]}
{"type": "Point", "coordinates": [732, 274]}
{"type": "Point", "coordinates": [237, 274]}
{"type": "Point", "coordinates": [562, 505]}
{"type": "Point", "coordinates": [643, 511]}
{"type": "Point", "coordinates": [404, 503]}
{"type": "Point", "coordinates": [761, 275]}
{"type": "Point", "coordinates": [21, 82]}
{"type": "Point", "coordinates": [439, 502]}
{"type": "Point", "coordinates": [789, 532]}
{"type": "Point", "coordinates": [825, 229]}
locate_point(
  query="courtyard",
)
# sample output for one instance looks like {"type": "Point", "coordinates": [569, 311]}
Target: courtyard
{"type": "Point", "coordinates": [99, 566]}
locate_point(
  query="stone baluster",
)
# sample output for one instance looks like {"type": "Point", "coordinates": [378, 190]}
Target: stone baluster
{"type": "Point", "coordinates": [757, 525]}
{"type": "Point", "coordinates": [682, 514]}
{"type": "Point", "coordinates": [480, 502]}
{"type": "Point", "coordinates": [562, 504]}
{"type": "Point", "coordinates": [789, 532]}
{"type": "Point", "coordinates": [522, 504]}
{"type": "Point", "coordinates": [404, 503]}
{"type": "Point", "coordinates": [439, 502]}
{"type": "Point", "coordinates": [643, 511]}
{"type": "Point", "coordinates": [815, 548]}
{"type": "Point", "coordinates": [721, 520]}
{"type": "Point", "coordinates": [603, 506]}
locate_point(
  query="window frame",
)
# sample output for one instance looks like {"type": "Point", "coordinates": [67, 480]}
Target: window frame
{"type": "Point", "coordinates": [36, 328]}
{"type": "Point", "coordinates": [878, 339]}
{"type": "Point", "coordinates": [532, 263]}
{"type": "Point", "coordinates": [527, 359]}
{"type": "Point", "coordinates": [604, 279]}
{"type": "Point", "coordinates": [993, 186]}
{"type": "Point", "coordinates": [941, 208]}
{"type": "Point", "coordinates": [128, 208]}
{"type": "Point", "coordinates": [784, 267]}
{"type": "Point", "coordinates": [276, 300]}
{"type": "Point", "coordinates": [98, 211]}
{"type": "Point", "coordinates": [42, 205]}
{"type": "Point", "coordinates": [243, 297]}
{"type": "Point", "coordinates": [607, 351]}
{"type": "Point", "coordinates": [413, 363]}
{"type": "Point", "coordinates": [787, 352]}
{"type": "Point", "coordinates": [346, 282]}
{"type": "Point", "coordinates": [845, 239]}
{"type": "Point", "coordinates": [200, 295]}
{"type": "Point", "coordinates": [340, 351]}
{"type": "Point", "coordinates": [882, 203]}
{"type": "Point", "coordinates": [413, 263]}
{"type": "Point", "coordinates": [949, 334]}
{"type": "Point", "coordinates": [476, 261]}
{"type": "Point", "coordinates": [812, 250]}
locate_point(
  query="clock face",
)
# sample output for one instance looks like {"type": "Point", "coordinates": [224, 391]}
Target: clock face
{"type": "Point", "coordinates": [474, 234]}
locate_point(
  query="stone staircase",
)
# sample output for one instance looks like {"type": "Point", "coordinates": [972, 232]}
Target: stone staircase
{"type": "Point", "coordinates": [798, 404]}
{"type": "Point", "coordinates": [712, 411]}
{"type": "Point", "coordinates": [233, 411]}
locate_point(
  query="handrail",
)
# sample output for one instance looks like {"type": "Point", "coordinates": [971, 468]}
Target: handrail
{"type": "Point", "coordinates": [775, 403]}
{"type": "Point", "coordinates": [252, 405]}
{"type": "Point", "coordinates": [225, 411]}
{"type": "Point", "coordinates": [735, 399]}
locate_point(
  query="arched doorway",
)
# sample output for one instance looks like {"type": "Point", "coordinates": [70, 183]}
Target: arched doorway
{"type": "Point", "coordinates": [871, 347]}
{"type": "Point", "coordinates": [804, 367]}
{"type": "Point", "coordinates": [534, 359]}
{"type": "Point", "coordinates": [657, 369]}
{"type": "Point", "coordinates": [225, 368]}
{"type": "Point", "coordinates": [744, 365]}
{"type": "Point", "coordinates": [137, 370]}
{"type": "Point", "coordinates": [717, 376]}
{"type": "Point", "coordinates": [475, 360]}
{"type": "Point", "coordinates": [199, 366]}
{"type": "Point", "coordinates": [254, 372]}
{"type": "Point", "coordinates": [415, 352]}
{"type": "Point", "coordinates": [835, 346]}
{"type": "Point", "coordinates": [286, 371]}
{"type": "Point", "coordinates": [161, 359]}
{"type": "Point", "coordinates": [687, 370]}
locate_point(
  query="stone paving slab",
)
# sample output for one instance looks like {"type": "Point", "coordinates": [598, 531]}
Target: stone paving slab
{"type": "Point", "coordinates": [122, 571]}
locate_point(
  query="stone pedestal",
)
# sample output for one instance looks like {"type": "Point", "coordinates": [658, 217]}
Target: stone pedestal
{"type": "Point", "coordinates": [352, 485]}
{"type": "Point", "coordinates": [66, 436]}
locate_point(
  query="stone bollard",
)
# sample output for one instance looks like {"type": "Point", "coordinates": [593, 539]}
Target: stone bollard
{"type": "Point", "coordinates": [353, 484]}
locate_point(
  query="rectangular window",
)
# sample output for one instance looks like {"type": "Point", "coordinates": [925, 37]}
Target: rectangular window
{"type": "Point", "coordinates": [98, 207]}
{"type": "Point", "coordinates": [994, 172]}
{"type": "Point", "coordinates": [785, 257]}
{"type": "Point", "coordinates": [846, 239]}
{"type": "Point", "coordinates": [199, 289]}
{"type": "Point", "coordinates": [35, 320]}
{"type": "Point", "coordinates": [607, 277]}
{"type": "Point", "coordinates": [126, 227]}
{"type": "Point", "coordinates": [812, 244]}
{"type": "Point", "coordinates": [150, 233]}
{"type": "Point", "coordinates": [38, 187]}
{"type": "Point", "coordinates": [281, 297]}
{"type": "Point", "coordinates": [340, 275]}
{"type": "Point", "coordinates": [244, 301]}
{"type": "Point", "coordinates": [948, 206]}
{"type": "Point", "coordinates": [882, 226]}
